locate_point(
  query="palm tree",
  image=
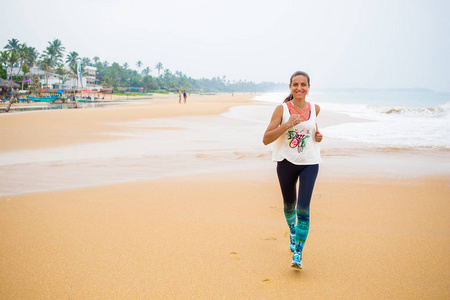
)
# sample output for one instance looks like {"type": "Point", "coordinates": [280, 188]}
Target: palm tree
{"type": "Point", "coordinates": [52, 55]}
{"type": "Point", "coordinates": [159, 67]}
{"type": "Point", "coordinates": [27, 58]}
{"type": "Point", "coordinates": [30, 59]}
{"type": "Point", "coordinates": [32, 55]}
{"type": "Point", "coordinates": [25, 71]}
{"type": "Point", "coordinates": [45, 64]}
{"type": "Point", "coordinates": [125, 65]}
{"type": "Point", "coordinates": [139, 64]}
{"type": "Point", "coordinates": [4, 58]}
{"type": "Point", "coordinates": [54, 51]}
{"type": "Point", "coordinates": [146, 82]}
{"type": "Point", "coordinates": [58, 46]}
{"type": "Point", "coordinates": [86, 61]}
{"type": "Point", "coordinates": [105, 64]}
{"type": "Point", "coordinates": [72, 58]}
{"type": "Point", "coordinates": [105, 82]}
{"type": "Point", "coordinates": [13, 58]}
{"type": "Point", "coordinates": [168, 78]}
{"type": "Point", "coordinates": [13, 45]}
{"type": "Point", "coordinates": [146, 71]}
{"type": "Point", "coordinates": [73, 74]}
{"type": "Point", "coordinates": [61, 71]}
{"type": "Point", "coordinates": [96, 59]}
{"type": "Point", "coordinates": [114, 77]}
{"type": "Point", "coordinates": [22, 52]}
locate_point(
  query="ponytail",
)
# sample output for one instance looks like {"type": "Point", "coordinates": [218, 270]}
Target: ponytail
{"type": "Point", "coordinates": [288, 98]}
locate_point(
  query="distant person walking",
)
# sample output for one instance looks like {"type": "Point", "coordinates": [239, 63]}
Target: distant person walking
{"type": "Point", "coordinates": [294, 130]}
{"type": "Point", "coordinates": [179, 94]}
{"type": "Point", "coordinates": [185, 96]}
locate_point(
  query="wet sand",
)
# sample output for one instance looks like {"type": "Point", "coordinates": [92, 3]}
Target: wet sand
{"type": "Point", "coordinates": [216, 235]}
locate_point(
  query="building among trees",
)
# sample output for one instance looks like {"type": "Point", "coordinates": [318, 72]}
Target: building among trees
{"type": "Point", "coordinates": [61, 79]}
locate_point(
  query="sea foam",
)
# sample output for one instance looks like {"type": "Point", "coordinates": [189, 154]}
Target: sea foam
{"type": "Point", "coordinates": [392, 119]}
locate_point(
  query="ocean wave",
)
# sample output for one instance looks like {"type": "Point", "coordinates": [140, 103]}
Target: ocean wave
{"type": "Point", "coordinates": [401, 124]}
{"type": "Point", "coordinates": [438, 111]}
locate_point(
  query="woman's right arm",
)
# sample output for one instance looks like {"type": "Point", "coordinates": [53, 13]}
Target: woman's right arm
{"type": "Point", "coordinates": [275, 128]}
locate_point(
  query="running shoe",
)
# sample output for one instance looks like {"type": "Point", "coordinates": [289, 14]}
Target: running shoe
{"type": "Point", "coordinates": [297, 261]}
{"type": "Point", "coordinates": [292, 242]}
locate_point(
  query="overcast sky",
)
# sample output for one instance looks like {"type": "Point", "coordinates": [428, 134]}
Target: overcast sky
{"type": "Point", "coordinates": [341, 44]}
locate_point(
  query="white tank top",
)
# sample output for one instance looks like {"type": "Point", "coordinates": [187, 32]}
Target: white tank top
{"type": "Point", "coordinates": [298, 144]}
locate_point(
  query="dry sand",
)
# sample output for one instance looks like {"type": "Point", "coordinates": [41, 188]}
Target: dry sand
{"type": "Point", "coordinates": [214, 236]}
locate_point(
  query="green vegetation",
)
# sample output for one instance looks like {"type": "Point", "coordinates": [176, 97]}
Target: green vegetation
{"type": "Point", "coordinates": [158, 91]}
{"type": "Point", "coordinates": [128, 94]}
{"type": "Point", "coordinates": [115, 76]}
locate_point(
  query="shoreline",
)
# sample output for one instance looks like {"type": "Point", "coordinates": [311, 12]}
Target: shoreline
{"type": "Point", "coordinates": [161, 139]}
{"type": "Point", "coordinates": [118, 144]}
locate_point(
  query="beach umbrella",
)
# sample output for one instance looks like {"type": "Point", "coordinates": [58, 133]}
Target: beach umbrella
{"type": "Point", "coordinates": [8, 84]}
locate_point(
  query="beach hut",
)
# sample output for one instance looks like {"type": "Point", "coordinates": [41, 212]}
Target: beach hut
{"type": "Point", "coordinates": [5, 86]}
{"type": "Point", "coordinates": [8, 84]}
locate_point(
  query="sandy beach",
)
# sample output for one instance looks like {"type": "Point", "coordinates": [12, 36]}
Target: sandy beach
{"type": "Point", "coordinates": [212, 226]}
{"type": "Point", "coordinates": [45, 129]}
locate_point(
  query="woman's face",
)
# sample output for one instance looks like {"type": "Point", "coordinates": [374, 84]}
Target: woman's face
{"type": "Point", "coordinates": [299, 86]}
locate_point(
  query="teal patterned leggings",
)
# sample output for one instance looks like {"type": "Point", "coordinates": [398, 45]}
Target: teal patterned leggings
{"type": "Point", "coordinates": [296, 210]}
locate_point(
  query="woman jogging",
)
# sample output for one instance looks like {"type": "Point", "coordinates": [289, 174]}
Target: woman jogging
{"type": "Point", "coordinates": [294, 130]}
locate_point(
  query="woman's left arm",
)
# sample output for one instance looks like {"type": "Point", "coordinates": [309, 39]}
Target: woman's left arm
{"type": "Point", "coordinates": [318, 136]}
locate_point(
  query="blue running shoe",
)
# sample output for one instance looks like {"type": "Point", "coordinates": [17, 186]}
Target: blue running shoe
{"type": "Point", "coordinates": [297, 261]}
{"type": "Point", "coordinates": [292, 242]}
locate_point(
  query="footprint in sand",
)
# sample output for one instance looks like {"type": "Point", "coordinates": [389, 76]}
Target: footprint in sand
{"type": "Point", "coordinates": [268, 281]}
{"type": "Point", "coordinates": [233, 256]}
{"type": "Point", "coordinates": [270, 239]}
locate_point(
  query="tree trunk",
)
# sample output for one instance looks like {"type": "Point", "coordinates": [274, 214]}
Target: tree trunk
{"type": "Point", "coordinates": [75, 96]}
{"type": "Point", "coordinates": [11, 101]}
{"type": "Point", "coordinates": [23, 79]}
{"type": "Point", "coordinates": [20, 69]}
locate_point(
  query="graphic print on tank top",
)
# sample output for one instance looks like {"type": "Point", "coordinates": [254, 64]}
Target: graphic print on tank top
{"type": "Point", "coordinates": [297, 139]}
